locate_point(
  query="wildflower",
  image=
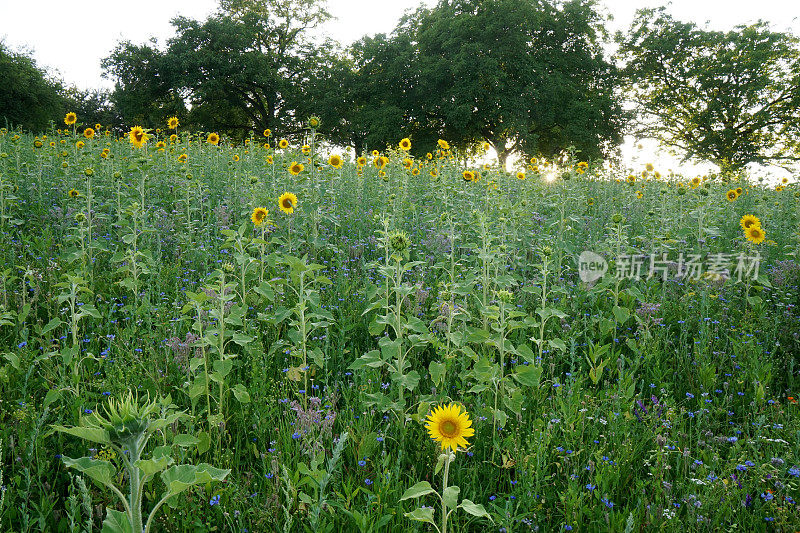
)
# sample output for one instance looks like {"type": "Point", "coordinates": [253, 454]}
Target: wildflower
{"type": "Point", "coordinates": [88, 133]}
{"type": "Point", "coordinates": [172, 123]}
{"type": "Point", "coordinates": [283, 144]}
{"type": "Point", "coordinates": [444, 145]}
{"type": "Point", "coordinates": [138, 137]}
{"type": "Point", "coordinates": [212, 138]}
{"type": "Point", "coordinates": [405, 144]}
{"type": "Point", "coordinates": [754, 234]}
{"type": "Point", "coordinates": [295, 168]}
{"type": "Point", "coordinates": [450, 426]}
{"type": "Point", "coordinates": [214, 501]}
{"type": "Point", "coordinates": [70, 119]}
{"type": "Point", "coordinates": [267, 132]}
{"type": "Point", "coordinates": [287, 202]}
{"type": "Point", "coordinates": [335, 161]}
{"type": "Point", "coordinates": [259, 215]}
{"type": "Point", "coordinates": [468, 175]}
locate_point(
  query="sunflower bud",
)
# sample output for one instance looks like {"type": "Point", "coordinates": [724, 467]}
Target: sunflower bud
{"type": "Point", "coordinates": [617, 218]}
{"type": "Point", "coordinates": [399, 242]}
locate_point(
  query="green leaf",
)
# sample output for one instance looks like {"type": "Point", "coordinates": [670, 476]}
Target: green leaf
{"type": "Point", "coordinates": [116, 522]}
{"type": "Point", "coordinates": [421, 515]}
{"type": "Point", "coordinates": [101, 471]}
{"type": "Point", "coordinates": [451, 496]}
{"type": "Point", "coordinates": [242, 340]}
{"type": "Point", "coordinates": [182, 477]}
{"type": "Point", "coordinates": [13, 359]}
{"type": "Point", "coordinates": [558, 344]}
{"type": "Point", "coordinates": [528, 375]}
{"type": "Point", "coordinates": [53, 324]}
{"type": "Point", "coordinates": [621, 314]}
{"type": "Point", "coordinates": [241, 394]}
{"type": "Point", "coordinates": [185, 441]}
{"type": "Point", "coordinates": [475, 509]}
{"type": "Point", "coordinates": [420, 489]}
{"type": "Point", "coordinates": [151, 467]}
{"type": "Point", "coordinates": [204, 443]}
{"type": "Point", "coordinates": [91, 434]}
{"type": "Point", "coordinates": [437, 371]}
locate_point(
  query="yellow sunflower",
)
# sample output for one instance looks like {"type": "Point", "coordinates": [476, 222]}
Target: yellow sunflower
{"type": "Point", "coordinates": [283, 144]}
{"type": "Point", "coordinates": [212, 138]}
{"type": "Point", "coordinates": [73, 193]}
{"type": "Point", "coordinates": [695, 182]}
{"type": "Point", "coordinates": [380, 162]}
{"type": "Point", "coordinates": [267, 132]}
{"type": "Point", "coordinates": [415, 171]}
{"type": "Point", "coordinates": [639, 195]}
{"type": "Point", "coordinates": [405, 144]}
{"type": "Point", "coordinates": [449, 426]}
{"type": "Point", "coordinates": [361, 161]}
{"type": "Point", "coordinates": [173, 138]}
{"type": "Point", "coordinates": [649, 167]}
{"type": "Point", "coordinates": [739, 191]}
{"type": "Point", "coordinates": [79, 144]}
{"type": "Point", "coordinates": [590, 202]}
{"type": "Point", "coordinates": [306, 149]}
{"type": "Point", "coordinates": [182, 158]}
{"type": "Point", "coordinates": [444, 145]}
{"type": "Point", "coordinates": [287, 202]}
{"type": "Point", "coordinates": [137, 136]}
{"type": "Point", "coordinates": [375, 153]}
{"type": "Point", "coordinates": [296, 168]}
{"type": "Point", "coordinates": [468, 175]}
{"type": "Point", "coordinates": [259, 215]}
{"type": "Point", "coordinates": [784, 180]}
{"type": "Point", "coordinates": [407, 163]}
{"type": "Point", "coordinates": [754, 234]}
{"type": "Point", "coordinates": [486, 146]}
{"type": "Point", "coordinates": [731, 195]}
{"type": "Point", "coordinates": [520, 175]}
{"type": "Point", "coordinates": [749, 220]}
{"type": "Point", "coordinates": [88, 133]}
{"type": "Point", "coordinates": [269, 160]}
{"type": "Point", "coordinates": [335, 161]}
{"type": "Point", "coordinates": [172, 123]}
{"type": "Point", "coordinates": [70, 119]}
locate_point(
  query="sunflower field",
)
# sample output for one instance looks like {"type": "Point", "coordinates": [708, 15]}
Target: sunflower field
{"type": "Point", "coordinates": [201, 335]}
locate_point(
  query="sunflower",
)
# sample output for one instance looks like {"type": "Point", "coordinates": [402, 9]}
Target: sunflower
{"type": "Point", "coordinates": [335, 161]}
{"type": "Point", "coordinates": [236, 158]}
{"type": "Point", "coordinates": [590, 202]}
{"type": "Point", "coordinates": [269, 160]}
{"type": "Point", "coordinates": [657, 175]}
{"type": "Point", "coordinates": [429, 156]}
{"type": "Point", "coordinates": [287, 202]}
{"type": "Point", "coordinates": [784, 180]}
{"type": "Point", "coordinates": [434, 173]}
{"type": "Point", "coordinates": [468, 175]}
{"type": "Point", "coordinates": [486, 146]}
{"type": "Point", "coordinates": [73, 193]}
{"type": "Point", "coordinates": [520, 175]}
{"type": "Point", "coordinates": [380, 162]}
{"type": "Point", "coordinates": [172, 123]}
{"type": "Point", "coordinates": [306, 149]}
{"type": "Point", "coordinates": [79, 145]}
{"type": "Point", "coordinates": [631, 179]}
{"type": "Point", "coordinates": [267, 132]}
{"type": "Point", "coordinates": [405, 144]}
{"type": "Point", "coordinates": [88, 133]}
{"type": "Point", "coordinates": [407, 163]}
{"type": "Point", "coordinates": [70, 119]}
{"type": "Point", "coordinates": [295, 168]}
{"type": "Point", "coordinates": [739, 191]}
{"type": "Point", "coordinates": [283, 144]}
{"type": "Point", "coordinates": [583, 164]}
{"type": "Point", "coordinates": [259, 215]}
{"type": "Point", "coordinates": [449, 426]}
{"type": "Point", "coordinates": [649, 167]}
{"type": "Point", "coordinates": [313, 122]}
{"type": "Point", "coordinates": [695, 182]}
{"type": "Point", "coordinates": [212, 138]}
{"type": "Point", "coordinates": [361, 161]}
{"type": "Point", "coordinates": [160, 144]}
{"type": "Point", "coordinates": [415, 171]}
{"type": "Point", "coordinates": [173, 138]}
{"type": "Point", "coordinates": [182, 158]}
{"type": "Point", "coordinates": [749, 220]}
{"type": "Point", "coordinates": [639, 195]}
{"type": "Point", "coordinates": [138, 137]}
{"type": "Point", "coordinates": [375, 153]}
{"type": "Point", "coordinates": [731, 195]}
{"type": "Point", "coordinates": [444, 145]}
{"type": "Point", "coordinates": [754, 234]}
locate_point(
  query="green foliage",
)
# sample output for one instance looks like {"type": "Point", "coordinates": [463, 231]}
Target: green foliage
{"type": "Point", "coordinates": [730, 98]}
{"type": "Point", "coordinates": [28, 98]}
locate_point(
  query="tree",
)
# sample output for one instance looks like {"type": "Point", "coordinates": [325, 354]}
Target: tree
{"type": "Point", "coordinates": [528, 76]}
{"type": "Point", "coordinates": [730, 98]}
{"type": "Point", "coordinates": [27, 97]}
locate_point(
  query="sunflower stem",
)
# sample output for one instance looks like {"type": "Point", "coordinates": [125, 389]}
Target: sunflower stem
{"type": "Point", "coordinates": [447, 461]}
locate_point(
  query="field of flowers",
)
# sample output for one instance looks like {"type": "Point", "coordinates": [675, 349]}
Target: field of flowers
{"type": "Point", "coordinates": [203, 336]}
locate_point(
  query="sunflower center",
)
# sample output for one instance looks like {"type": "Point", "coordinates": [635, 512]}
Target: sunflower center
{"type": "Point", "coordinates": [448, 428]}
{"type": "Point", "coordinates": [287, 203]}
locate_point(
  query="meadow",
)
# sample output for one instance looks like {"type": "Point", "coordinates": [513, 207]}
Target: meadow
{"type": "Point", "coordinates": [198, 335]}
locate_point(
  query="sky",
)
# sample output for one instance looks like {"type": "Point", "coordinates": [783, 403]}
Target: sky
{"type": "Point", "coordinates": [70, 38]}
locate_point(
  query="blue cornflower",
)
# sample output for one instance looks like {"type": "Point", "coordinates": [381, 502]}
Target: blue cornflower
{"type": "Point", "coordinates": [590, 487]}
{"type": "Point", "coordinates": [362, 463]}
{"type": "Point", "coordinates": [214, 501]}
{"type": "Point", "coordinates": [767, 496]}
{"type": "Point", "coordinates": [368, 482]}
{"type": "Point", "coordinates": [295, 435]}
{"type": "Point", "coordinates": [794, 471]}
{"type": "Point", "coordinates": [689, 395]}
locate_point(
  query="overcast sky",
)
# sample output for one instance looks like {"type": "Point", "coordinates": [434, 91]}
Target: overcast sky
{"type": "Point", "coordinates": [71, 37]}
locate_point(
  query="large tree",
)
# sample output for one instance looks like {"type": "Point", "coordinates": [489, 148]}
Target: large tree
{"type": "Point", "coordinates": [28, 97]}
{"type": "Point", "coordinates": [731, 98]}
{"type": "Point", "coordinates": [528, 76]}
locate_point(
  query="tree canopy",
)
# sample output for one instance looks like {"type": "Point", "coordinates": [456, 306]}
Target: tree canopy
{"type": "Point", "coordinates": [731, 98]}
{"type": "Point", "coordinates": [28, 98]}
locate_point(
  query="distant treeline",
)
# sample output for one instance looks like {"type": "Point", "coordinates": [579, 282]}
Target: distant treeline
{"type": "Point", "coordinates": [528, 76]}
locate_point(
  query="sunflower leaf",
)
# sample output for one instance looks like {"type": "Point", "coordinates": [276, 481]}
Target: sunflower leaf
{"type": "Point", "coordinates": [420, 489]}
